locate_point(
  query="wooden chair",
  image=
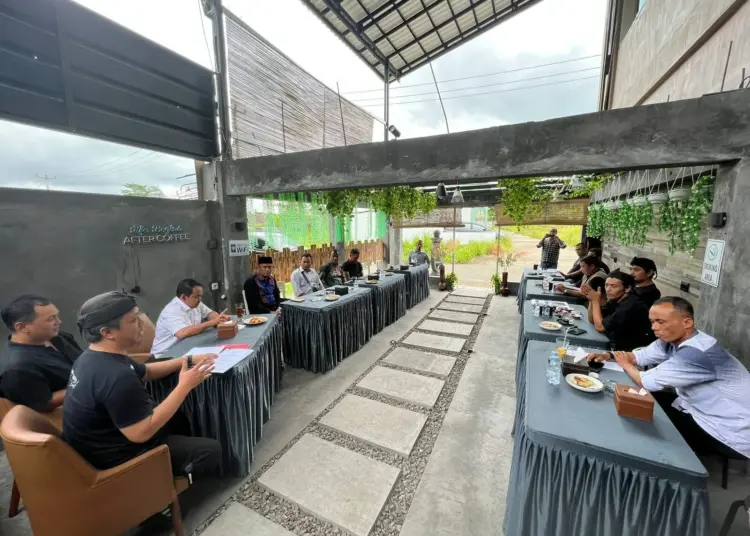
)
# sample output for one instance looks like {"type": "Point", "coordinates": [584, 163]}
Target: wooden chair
{"type": "Point", "coordinates": [63, 494]}
{"type": "Point", "coordinates": [142, 352]}
{"type": "Point", "coordinates": [729, 520]}
{"type": "Point", "coordinates": [55, 418]}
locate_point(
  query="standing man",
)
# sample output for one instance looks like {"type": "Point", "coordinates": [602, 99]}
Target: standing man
{"type": "Point", "coordinates": [644, 272]}
{"type": "Point", "coordinates": [551, 245]}
{"type": "Point", "coordinates": [710, 407]}
{"type": "Point", "coordinates": [36, 364]}
{"type": "Point", "coordinates": [418, 256]}
{"type": "Point", "coordinates": [352, 267]}
{"type": "Point", "coordinates": [185, 316]}
{"type": "Point", "coordinates": [261, 291]}
{"type": "Point", "coordinates": [305, 280]}
{"type": "Point", "coordinates": [331, 274]}
{"type": "Point", "coordinates": [109, 417]}
{"type": "Point", "coordinates": [624, 318]}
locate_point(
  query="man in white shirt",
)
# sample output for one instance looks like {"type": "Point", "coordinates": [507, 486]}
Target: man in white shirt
{"type": "Point", "coordinates": [186, 315]}
{"type": "Point", "coordinates": [305, 280]}
{"type": "Point", "coordinates": [711, 408]}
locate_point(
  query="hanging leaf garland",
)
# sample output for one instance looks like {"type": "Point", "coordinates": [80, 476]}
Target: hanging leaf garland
{"type": "Point", "coordinates": [522, 199]}
{"type": "Point", "coordinates": [595, 221]}
{"type": "Point", "coordinates": [395, 201]}
{"type": "Point", "coordinates": [642, 221]}
{"type": "Point", "coordinates": [699, 204]}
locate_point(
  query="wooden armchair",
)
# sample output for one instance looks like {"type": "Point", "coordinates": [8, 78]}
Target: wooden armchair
{"type": "Point", "coordinates": [63, 494]}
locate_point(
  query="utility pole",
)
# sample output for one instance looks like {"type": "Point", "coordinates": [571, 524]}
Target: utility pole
{"type": "Point", "coordinates": [215, 10]}
{"type": "Point", "coordinates": [47, 179]}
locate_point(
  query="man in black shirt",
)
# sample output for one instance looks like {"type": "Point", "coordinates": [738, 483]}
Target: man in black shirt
{"type": "Point", "coordinates": [644, 273]}
{"type": "Point", "coordinates": [36, 364]}
{"type": "Point", "coordinates": [624, 318]}
{"type": "Point", "coordinates": [353, 267]}
{"type": "Point", "coordinates": [109, 417]}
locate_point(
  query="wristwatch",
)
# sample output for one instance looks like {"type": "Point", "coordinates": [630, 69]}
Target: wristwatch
{"type": "Point", "coordinates": [611, 355]}
{"type": "Point", "coordinates": [189, 361]}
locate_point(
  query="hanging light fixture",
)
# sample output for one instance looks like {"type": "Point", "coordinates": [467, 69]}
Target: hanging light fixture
{"type": "Point", "coordinates": [441, 192]}
{"type": "Point", "coordinates": [458, 197]}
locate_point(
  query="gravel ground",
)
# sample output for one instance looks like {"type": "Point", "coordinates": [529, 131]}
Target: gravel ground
{"type": "Point", "coordinates": [392, 517]}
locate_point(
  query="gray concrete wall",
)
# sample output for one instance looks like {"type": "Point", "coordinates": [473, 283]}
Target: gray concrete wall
{"type": "Point", "coordinates": [725, 311]}
{"type": "Point", "coordinates": [69, 247]}
{"type": "Point", "coordinates": [678, 49]}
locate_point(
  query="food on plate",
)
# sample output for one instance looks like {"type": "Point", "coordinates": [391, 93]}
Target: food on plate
{"type": "Point", "coordinates": [550, 325]}
{"type": "Point", "coordinates": [255, 320]}
{"type": "Point", "coordinates": [372, 282]}
{"type": "Point", "coordinates": [582, 381]}
{"type": "Point", "coordinates": [332, 297]}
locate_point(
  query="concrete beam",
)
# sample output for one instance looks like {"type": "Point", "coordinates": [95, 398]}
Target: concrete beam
{"type": "Point", "coordinates": [712, 129]}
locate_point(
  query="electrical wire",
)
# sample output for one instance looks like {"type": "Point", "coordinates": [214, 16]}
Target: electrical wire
{"type": "Point", "coordinates": [505, 83]}
{"type": "Point", "coordinates": [489, 92]}
{"type": "Point", "coordinates": [519, 69]}
{"type": "Point", "coordinates": [102, 165]}
{"type": "Point", "coordinates": [205, 37]}
{"type": "Point", "coordinates": [140, 161]}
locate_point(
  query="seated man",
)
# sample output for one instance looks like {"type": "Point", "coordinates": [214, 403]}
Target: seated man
{"type": "Point", "coordinates": [593, 278]}
{"type": "Point", "coordinates": [352, 267]}
{"type": "Point", "coordinates": [261, 291]}
{"type": "Point", "coordinates": [331, 274]}
{"type": "Point", "coordinates": [575, 274]}
{"type": "Point", "coordinates": [624, 318]}
{"type": "Point", "coordinates": [710, 408]}
{"type": "Point", "coordinates": [418, 256]}
{"type": "Point", "coordinates": [185, 316]}
{"type": "Point", "coordinates": [305, 280]}
{"type": "Point", "coordinates": [109, 416]}
{"type": "Point", "coordinates": [644, 273]}
{"type": "Point", "coordinates": [36, 364]}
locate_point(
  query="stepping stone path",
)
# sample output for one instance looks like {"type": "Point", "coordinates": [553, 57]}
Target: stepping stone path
{"type": "Point", "coordinates": [435, 342]}
{"type": "Point", "coordinates": [471, 292]}
{"type": "Point", "coordinates": [454, 316]}
{"type": "Point", "coordinates": [451, 328]}
{"type": "Point", "coordinates": [403, 386]}
{"type": "Point", "coordinates": [461, 307]}
{"type": "Point", "coordinates": [463, 299]}
{"type": "Point", "coordinates": [239, 520]}
{"type": "Point", "coordinates": [332, 483]}
{"type": "Point", "coordinates": [392, 428]}
{"type": "Point", "coordinates": [421, 361]}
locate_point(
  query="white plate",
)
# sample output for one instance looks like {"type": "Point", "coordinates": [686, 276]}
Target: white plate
{"type": "Point", "coordinates": [597, 387]}
{"type": "Point", "coordinates": [553, 326]}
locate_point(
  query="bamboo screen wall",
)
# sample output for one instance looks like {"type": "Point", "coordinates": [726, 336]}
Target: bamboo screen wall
{"type": "Point", "coordinates": [279, 107]}
{"type": "Point", "coordinates": [287, 260]}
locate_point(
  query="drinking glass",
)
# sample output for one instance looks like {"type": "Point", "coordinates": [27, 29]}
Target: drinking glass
{"type": "Point", "coordinates": [240, 307]}
{"type": "Point", "coordinates": [561, 344]}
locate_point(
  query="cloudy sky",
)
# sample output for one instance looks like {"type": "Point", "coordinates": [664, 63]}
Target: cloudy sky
{"type": "Point", "coordinates": [550, 32]}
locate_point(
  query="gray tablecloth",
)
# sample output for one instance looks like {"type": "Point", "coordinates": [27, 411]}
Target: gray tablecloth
{"type": "Point", "coordinates": [578, 468]}
{"type": "Point", "coordinates": [389, 300]}
{"type": "Point", "coordinates": [529, 274]}
{"type": "Point", "coordinates": [232, 407]}
{"type": "Point", "coordinates": [318, 335]}
{"type": "Point", "coordinates": [417, 283]}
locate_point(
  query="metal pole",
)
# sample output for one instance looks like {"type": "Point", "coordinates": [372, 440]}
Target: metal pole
{"type": "Point", "coordinates": [385, 103]}
{"type": "Point", "coordinates": [283, 128]}
{"type": "Point", "coordinates": [440, 98]}
{"type": "Point", "coordinates": [341, 110]}
{"type": "Point", "coordinates": [222, 81]}
{"type": "Point", "coordinates": [455, 245]}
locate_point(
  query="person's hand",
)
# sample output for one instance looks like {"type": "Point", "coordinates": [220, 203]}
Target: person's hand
{"type": "Point", "coordinates": [200, 358]}
{"type": "Point", "coordinates": [219, 319]}
{"type": "Point", "coordinates": [560, 287]}
{"type": "Point", "coordinates": [191, 378]}
{"type": "Point", "coordinates": [598, 357]}
{"type": "Point", "coordinates": [585, 288]}
{"type": "Point", "coordinates": [592, 295]}
{"type": "Point", "coordinates": [622, 359]}
{"type": "Point", "coordinates": [278, 312]}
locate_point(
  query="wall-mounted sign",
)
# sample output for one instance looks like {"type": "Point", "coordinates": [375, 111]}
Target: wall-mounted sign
{"type": "Point", "coordinates": [155, 234]}
{"type": "Point", "coordinates": [239, 248]}
{"type": "Point", "coordinates": [711, 272]}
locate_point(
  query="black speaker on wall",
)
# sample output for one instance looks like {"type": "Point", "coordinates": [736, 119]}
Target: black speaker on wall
{"type": "Point", "coordinates": [717, 219]}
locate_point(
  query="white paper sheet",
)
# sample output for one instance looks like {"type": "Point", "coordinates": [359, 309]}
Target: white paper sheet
{"type": "Point", "coordinates": [229, 358]}
{"type": "Point", "coordinates": [578, 354]}
{"type": "Point", "coordinates": [205, 350]}
{"type": "Point", "coordinates": [611, 365]}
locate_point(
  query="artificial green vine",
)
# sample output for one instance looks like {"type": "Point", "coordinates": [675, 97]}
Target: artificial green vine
{"type": "Point", "coordinates": [522, 199]}
{"type": "Point", "coordinates": [699, 204]}
{"type": "Point", "coordinates": [670, 223]}
{"type": "Point", "coordinates": [593, 182]}
{"type": "Point", "coordinates": [396, 201]}
{"type": "Point", "coordinates": [624, 223]}
{"type": "Point", "coordinates": [643, 218]}
{"type": "Point", "coordinates": [595, 222]}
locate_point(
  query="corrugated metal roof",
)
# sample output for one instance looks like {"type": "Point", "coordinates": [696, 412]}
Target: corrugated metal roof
{"type": "Point", "coordinates": [405, 34]}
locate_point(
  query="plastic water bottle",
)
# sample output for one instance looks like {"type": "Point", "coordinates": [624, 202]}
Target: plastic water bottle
{"type": "Point", "coordinates": [535, 307]}
{"type": "Point", "coordinates": [553, 369]}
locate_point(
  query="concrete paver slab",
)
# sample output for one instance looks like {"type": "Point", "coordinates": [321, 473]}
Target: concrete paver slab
{"type": "Point", "coordinates": [461, 307]}
{"type": "Point", "coordinates": [403, 386]}
{"type": "Point", "coordinates": [454, 316]}
{"type": "Point", "coordinates": [332, 483]}
{"type": "Point", "coordinates": [435, 342]}
{"type": "Point", "coordinates": [465, 299]}
{"type": "Point", "coordinates": [472, 292]}
{"type": "Point", "coordinates": [392, 428]}
{"type": "Point", "coordinates": [451, 328]}
{"type": "Point", "coordinates": [421, 361]}
{"type": "Point", "coordinates": [239, 520]}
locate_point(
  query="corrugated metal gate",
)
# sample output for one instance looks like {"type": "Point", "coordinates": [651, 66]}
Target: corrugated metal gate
{"type": "Point", "coordinates": [64, 67]}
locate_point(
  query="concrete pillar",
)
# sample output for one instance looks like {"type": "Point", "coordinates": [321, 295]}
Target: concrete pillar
{"type": "Point", "coordinates": [724, 312]}
{"type": "Point", "coordinates": [394, 246]}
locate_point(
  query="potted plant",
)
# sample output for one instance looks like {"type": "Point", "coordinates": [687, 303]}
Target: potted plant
{"type": "Point", "coordinates": [497, 283]}
{"type": "Point", "coordinates": [638, 201]}
{"type": "Point", "coordinates": [451, 280]}
{"type": "Point", "coordinates": [679, 194]}
{"type": "Point", "coordinates": [657, 198]}
{"type": "Point", "coordinates": [505, 259]}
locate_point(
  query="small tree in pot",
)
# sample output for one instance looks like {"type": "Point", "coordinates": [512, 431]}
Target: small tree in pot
{"type": "Point", "coordinates": [505, 259]}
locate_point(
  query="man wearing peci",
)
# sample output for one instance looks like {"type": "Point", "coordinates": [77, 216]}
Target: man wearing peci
{"type": "Point", "coordinates": [109, 417]}
{"type": "Point", "coordinates": [185, 316]}
{"type": "Point", "coordinates": [36, 364]}
{"type": "Point", "coordinates": [261, 291]}
{"type": "Point", "coordinates": [710, 408]}
{"type": "Point", "coordinates": [305, 280]}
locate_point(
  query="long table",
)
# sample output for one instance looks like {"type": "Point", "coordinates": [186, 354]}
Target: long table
{"type": "Point", "coordinates": [389, 300]}
{"type": "Point", "coordinates": [579, 468]}
{"type": "Point", "coordinates": [534, 292]}
{"type": "Point", "coordinates": [417, 283]}
{"type": "Point", "coordinates": [529, 274]}
{"type": "Point", "coordinates": [232, 407]}
{"type": "Point", "coordinates": [319, 334]}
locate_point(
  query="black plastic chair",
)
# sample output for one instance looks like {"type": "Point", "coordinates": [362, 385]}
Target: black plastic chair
{"type": "Point", "coordinates": [729, 520]}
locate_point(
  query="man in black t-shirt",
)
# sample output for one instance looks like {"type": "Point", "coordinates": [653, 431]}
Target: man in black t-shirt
{"type": "Point", "coordinates": [109, 417]}
{"type": "Point", "coordinates": [35, 367]}
{"type": "Point", "coordinates": [644, 272]}
{"type": "Point", "coordinates": [624, 318]}
{"type": "Point", "coordinates": [353, 267]}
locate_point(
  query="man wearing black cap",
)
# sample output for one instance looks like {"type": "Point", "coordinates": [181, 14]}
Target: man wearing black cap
{"type": "Point", "coordinates": [109, 417]}
{"type": "Point", "coordinates": [624, 318]}
{"type": "Point", "coordinates": [644, 273]}
{"type": "Point", "coordinates": [261, 291]}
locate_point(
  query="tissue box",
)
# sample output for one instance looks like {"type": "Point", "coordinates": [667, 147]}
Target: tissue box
{"type": "Point", "coordinates": [404, 266]}
{"type": "Point", "coordinates": [227, 330]}
{"type": "Point", "coordinates": [633, 405]}
{"type": "Point", "coordinates": [569, 367]}
{"type": "Point", "coordinates": [341, 291]}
